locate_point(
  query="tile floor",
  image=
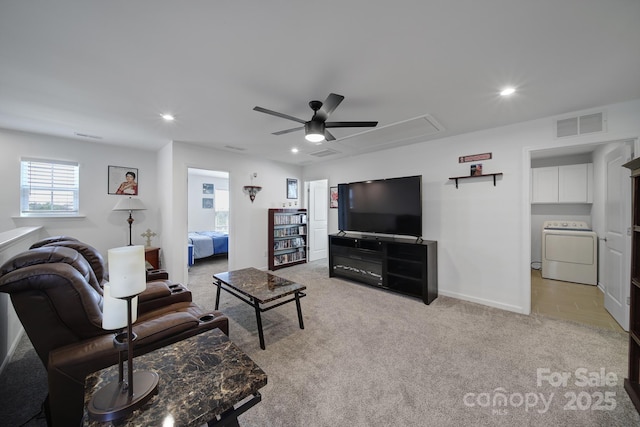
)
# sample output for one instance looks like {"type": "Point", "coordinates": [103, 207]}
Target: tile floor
{"type": "Point", "coordinates": [570, 301]}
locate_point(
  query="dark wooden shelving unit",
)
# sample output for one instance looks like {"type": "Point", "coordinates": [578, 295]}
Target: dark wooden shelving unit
{"type": "Point", "coordinates": [494, 175]}
{"type": "Point", "coordinates": [632, 383]}
{"type": "Point", "coordinates": [287, 237]}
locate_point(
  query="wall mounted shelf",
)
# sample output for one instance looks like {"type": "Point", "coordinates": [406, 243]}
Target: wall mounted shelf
{"type": "Point", "coordinates": [456, 178]}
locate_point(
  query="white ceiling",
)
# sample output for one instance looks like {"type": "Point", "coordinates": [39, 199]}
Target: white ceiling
{"type": "Point", "coordinates": [110, 68]}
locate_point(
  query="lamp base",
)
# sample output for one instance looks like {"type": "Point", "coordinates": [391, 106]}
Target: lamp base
{"type": "Point", "coordinates": [111, 402]}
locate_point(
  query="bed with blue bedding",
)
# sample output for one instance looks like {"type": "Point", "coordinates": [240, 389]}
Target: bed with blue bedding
{"type": "Point", "coordinates": [208, 243]}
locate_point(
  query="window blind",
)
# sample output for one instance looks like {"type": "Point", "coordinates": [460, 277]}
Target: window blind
{"type": "Point", "coordinates": [48, 187]}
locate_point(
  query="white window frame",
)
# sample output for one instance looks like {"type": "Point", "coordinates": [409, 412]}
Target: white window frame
{"type": "Point", "coordinates": [56, 182]}
{"type": "Point", "coordinates": [218, 206]}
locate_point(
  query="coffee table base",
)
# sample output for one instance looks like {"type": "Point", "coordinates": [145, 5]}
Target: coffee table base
{"type": "Point", "coordinates": [258, 309]}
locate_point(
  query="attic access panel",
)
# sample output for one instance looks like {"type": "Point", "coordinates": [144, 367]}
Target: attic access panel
{"type": "Point", "coordinates": [394, 135]}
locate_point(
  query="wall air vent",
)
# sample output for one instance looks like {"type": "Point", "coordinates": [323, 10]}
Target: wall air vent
{"type": "Point", "coordinates": [411, 131]}
{"type": "Point", "coordinates": [580, 125]}
{"type": "Point", "coordinates": [324, 153]}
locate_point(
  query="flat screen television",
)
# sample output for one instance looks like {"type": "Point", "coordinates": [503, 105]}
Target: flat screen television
{"type": "Point", "coordinates": [386, 206]}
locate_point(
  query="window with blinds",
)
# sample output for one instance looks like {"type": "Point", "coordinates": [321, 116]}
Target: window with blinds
{"type": "Point", "coordinates": [48, 187]}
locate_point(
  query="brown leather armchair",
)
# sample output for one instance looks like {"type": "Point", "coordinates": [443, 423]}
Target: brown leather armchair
{"type": "Point", "coordinates": [59, 302]}
{"type": "Point", "coordinates": [160, 290]}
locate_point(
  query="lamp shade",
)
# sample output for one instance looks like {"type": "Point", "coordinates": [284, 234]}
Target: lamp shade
{"type": "Point", "coordinates": [127, 272]}
{"type": "Point", "coordinates": [114, 311]}
{"type": "Point", "coordinates": [129, 204]}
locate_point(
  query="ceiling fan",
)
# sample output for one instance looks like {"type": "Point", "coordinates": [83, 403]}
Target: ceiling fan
{"type": "Point", "coordinates": [315, 130]}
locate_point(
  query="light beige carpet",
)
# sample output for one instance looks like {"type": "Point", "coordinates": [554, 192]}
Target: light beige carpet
{"type": "Point", "coordinates": [370, 357]}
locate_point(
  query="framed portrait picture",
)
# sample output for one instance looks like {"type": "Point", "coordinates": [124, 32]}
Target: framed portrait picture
{"type": "Point", "coordinates": [122, 180]}
{"type": "Point", "coordinates": [292, 188]}
{"type": "Point", "coordinates": [207, 188]}
{"type": "Point", "coordinates": [333, 197]}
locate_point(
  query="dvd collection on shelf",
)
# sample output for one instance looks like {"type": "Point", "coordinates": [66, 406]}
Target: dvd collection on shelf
{"type": "Point", "coordinates": [287, 237]}
{"type": "Point", "coordinates": [289, 231]}
{"type": "Point", "coordinates": [290, 219]}
{"type": "Point", "coordinates": [296, 242]}
{"type": "Point", "coordinates": [290, 257]}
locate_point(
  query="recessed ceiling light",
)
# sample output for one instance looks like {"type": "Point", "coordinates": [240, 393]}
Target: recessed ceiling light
{"type": "Point", "coordinates": [508, 91]}
{"type": "Point", "coordinates": [168, 117]}
{"type": "Point", "coordinates": [294, 150]}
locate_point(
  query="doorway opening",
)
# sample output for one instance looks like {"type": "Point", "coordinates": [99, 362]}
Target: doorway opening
{"type": "Point", "coordinates": [208, 213]}
{"type": "Point", "coordinates": [553, 296]}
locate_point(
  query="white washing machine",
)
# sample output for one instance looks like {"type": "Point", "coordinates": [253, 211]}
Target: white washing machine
{"type": "Point", "coordinates": [569, 252]}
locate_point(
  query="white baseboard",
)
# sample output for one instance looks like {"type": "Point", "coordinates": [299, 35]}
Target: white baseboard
{"type": "Point", "coordinates": [490, 303]}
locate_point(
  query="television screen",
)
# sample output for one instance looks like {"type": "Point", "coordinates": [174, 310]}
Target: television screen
{"type": "Point", "coordinates": [387, 206]}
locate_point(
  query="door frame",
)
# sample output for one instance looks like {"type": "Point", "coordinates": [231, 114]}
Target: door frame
{"type": "Point", "coordinates": [526, 232]}
{"type": "Point", "coordinates": [308, 205]}
{"type": "Point", "coordinates": [229, 256]}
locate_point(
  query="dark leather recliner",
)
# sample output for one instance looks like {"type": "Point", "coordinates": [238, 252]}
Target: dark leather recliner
{"type": "Point", "coordinates": [53, 292]}
{"type": "Point", "coordinates": [160, 290]}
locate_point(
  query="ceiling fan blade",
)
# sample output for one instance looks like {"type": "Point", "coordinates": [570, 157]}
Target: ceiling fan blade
{"type": "Point", "coordinates": [350, 124]}
{"type": "Point", "coordinates": [282, 115]}
{"type": "Point", "coordinates": [328, 136]}
{"type": "Point", "coordinates": [329, 105]}
{"type": "Point", "coordinates": [282, 132]}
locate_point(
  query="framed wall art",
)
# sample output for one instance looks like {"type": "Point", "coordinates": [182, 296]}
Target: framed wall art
{"type": "Point", "coordinates": [207, 188]}
{"type": "Point", "coordinates": [292, 188]}
{"type": "Point", "coordinates": [122, 180]}
{"type": "Point", "coordinates": [333, 197]}
{"type": "Point", "coordinates": [207, 203]}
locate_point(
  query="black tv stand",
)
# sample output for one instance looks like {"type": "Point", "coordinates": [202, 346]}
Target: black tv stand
{"type": "Point", "coordinates": [401, 266]}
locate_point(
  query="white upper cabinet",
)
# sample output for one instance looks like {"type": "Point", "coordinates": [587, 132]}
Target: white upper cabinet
{"type": "Point", "coordinates": [544, 185]}
{"type": "Point", "coordinates": [562, 184]}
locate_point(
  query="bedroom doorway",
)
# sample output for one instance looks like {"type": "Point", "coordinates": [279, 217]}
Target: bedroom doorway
{"type": "Point", "coordinates": [208, 213]}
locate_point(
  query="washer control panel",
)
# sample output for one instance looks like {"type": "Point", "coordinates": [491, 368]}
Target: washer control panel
{"type": "Point", "coordinates": [566, 225]}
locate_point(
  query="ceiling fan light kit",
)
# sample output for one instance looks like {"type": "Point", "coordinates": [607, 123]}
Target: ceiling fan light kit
{"type": "Point", "coordinates": [315, 130]}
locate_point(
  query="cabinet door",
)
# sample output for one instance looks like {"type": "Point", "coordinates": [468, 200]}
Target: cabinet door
{"type": "Point", "coordinates": [573, 184]}
{"type": "Point", "coordinates": [544, 185]}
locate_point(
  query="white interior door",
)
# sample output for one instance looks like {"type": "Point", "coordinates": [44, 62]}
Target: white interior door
{"type": "Point", "coordinates": [616, 277]}
{"type": "Point", "coordinates": [317, 217]}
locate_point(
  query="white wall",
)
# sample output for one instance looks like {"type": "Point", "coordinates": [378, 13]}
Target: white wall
{"type": "Point", "coordinates": [483, 232]}
{"type": "Point", "coordinates": [98, 225]}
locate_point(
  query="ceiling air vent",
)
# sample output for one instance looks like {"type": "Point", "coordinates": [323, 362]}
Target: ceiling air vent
{"type": "Point", "coordinates": [324, 153]}
{"type": "Point", "coordinates": [580, 125]}
{"type": "Point", "coordinates": [231, 147]}
{"type": "Point", "coordinates": [417, 129]}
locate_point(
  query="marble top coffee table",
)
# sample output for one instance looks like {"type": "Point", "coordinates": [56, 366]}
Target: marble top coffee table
{"type": "Point", "coordinates": [202, 379]}
{"type": "Point", "coordinates": [260, 290]}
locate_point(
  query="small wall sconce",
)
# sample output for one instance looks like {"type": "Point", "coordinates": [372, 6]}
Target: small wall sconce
{"type": "Point", "coordinates": [252, 190]}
